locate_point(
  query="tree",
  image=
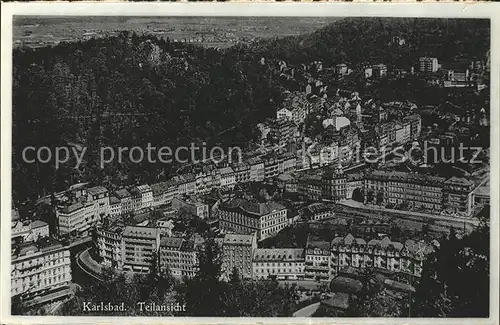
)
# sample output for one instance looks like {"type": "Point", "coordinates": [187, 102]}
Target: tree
{"type": "Point", "coordinates": [455, 278]}
{"type": "Point", "coordinates": [206, 285]}
{"type": "Point", "coordinates": [357, 195]}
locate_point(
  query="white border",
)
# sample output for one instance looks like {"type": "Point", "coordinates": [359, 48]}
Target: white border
{"type": "Point", "coordinates": [430, 10]}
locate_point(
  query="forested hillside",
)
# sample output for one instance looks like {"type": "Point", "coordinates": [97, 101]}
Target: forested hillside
{"type": "Point", "coordinates": [130, 91]}
{"type": "Point", "coordinates": [366, 40]}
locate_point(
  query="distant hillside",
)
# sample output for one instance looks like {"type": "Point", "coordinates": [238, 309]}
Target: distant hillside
{"type": "Point", "coordinates": [360, 40]}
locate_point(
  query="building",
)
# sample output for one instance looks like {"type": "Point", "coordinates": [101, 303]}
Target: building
{"type": "Point", "coordinates": [207, 177]}
{"type": "Point", "coordinates": [282, 131]}
{"type": "Point", "coordinates": [109, 244]}
{"type": "Point", "coordinates": [415, 125]}
{"type": "Point", "coordinates": [242, 172]}
{"type": "Point", "coordinates": [400, 188]}
{"type": "Point", "coordinates": [368, 72]}
{"type": "Point", "coordinates": [328, 154]}
{"type": "Point", "coordinates": [318, 211]}
{"type": "Point", "coordinates": [257, 170]}
{"type": "Point", "coordinates": [341, 69]}
{"type": "Point", "coordinates": [298, 105]}
{"type": "Point", "coordinates": [317, 262]}
{"type": "Point", "coordinates": [334, 184]}
{"type": "Point", "coordinates": [125, 201]}
{"type": "Point", "coordinates": [379, 71]}
{"type": "Point", "coordinates": [186, 183]}
{"type": "Point", "coordinates": [237, 252]}
{"type": "Point", "coordinates": [284, 113]}
{"type": "Point", "coordinates": [191, 204]}
{"type": "Point", "coordinates": [329, 184]}
{"type": "Point", "coordinates": [20, 229]}
{"type": "Point", "coordinates": [164, 192]}
{"type": "Point", "coordinates": [227, 178]}
{"type": "Point", "coordinates": [428, 64]}
{"type": "Point", "coordinates": [146, 196]}
{"type": "Point", "coordinates": [40, 272]}
{"type": "Point", "coordinates": [271, 166]}
{"type": "Point", "coordinates": [310, 186]}
{"type": "Point", "coordinates": [458, 195]}
{"type": "Point", "coordinates": [115, 206]}
{"type": "Point", "coordinates": [139, 246]}
{"type": "Point", "coordinates": [289, 162]}
{"type": "Point", "coordinates": [136, 198]}
{"type": "Point", "coordinates": [281, 263]}
{"type": "Point", "coordinates": [245, 217]}
{"type": "Point", "coordinates": [29, 231]}
{"type": "Point", "coordinates": [76, 217]}
{"type": "Point", "coordinates": [383, 254]}
{"type": "Point", "coordinates": [166, 227]}
{"type": "Point", "coordinates": [82, 208]}
{"type": "Point", "coordinates": [398, 40]}
{"type": "Point", "coordinates": [454, 195]}
{"type": "Point", "coordinates": [180, 256]}
{"type": "Point", "coordinates": [99, 196]}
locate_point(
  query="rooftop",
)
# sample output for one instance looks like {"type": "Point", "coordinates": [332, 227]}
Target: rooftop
{"type": "Point", "coordinates": [96, 190]}
{"type": "Point", "coordinates": [144, 188]}
{"type": "Point", "coordinates": [172, 242]}
{"type": "Point", "coordinates": [38, 224]}
{"type": "Point", "coordinates": [121, 194]}
{"type": "Point", "coordinates": [238, 239]}
{"type": "Point", "coordinates": [254, 208]}
{"type": "Point", "coordinates": [348, 241]}
{"type": "Point", "coordinates": [226, 171]}
{"type": "Point", "coordinates": [318, 207]}
{"type": "Point", "coordinates": [396, 176]}
{"type": "Point", "coordinates": [278, 254]}
{"type": "Point", "coordinates": [144, 232]}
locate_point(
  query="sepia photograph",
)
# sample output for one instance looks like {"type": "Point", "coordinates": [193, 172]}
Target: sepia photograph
{"type": "Point", "coordinates": [250, 166]}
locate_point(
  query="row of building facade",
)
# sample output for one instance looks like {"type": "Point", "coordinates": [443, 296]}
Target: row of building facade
{"type": "Point", "coordinates": [392, 188]}
{"type": "Point", "coordinates": [321, 260]}
{"type": "Point", "coordinates": [454, 194]}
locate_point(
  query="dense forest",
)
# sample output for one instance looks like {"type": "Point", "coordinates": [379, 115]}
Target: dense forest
{"type": "Point", "coordinates": [366, 40]}
{"type": "Point", "coordinates": [131, 90]}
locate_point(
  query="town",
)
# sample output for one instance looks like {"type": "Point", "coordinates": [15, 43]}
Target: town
{"type": "Point", "coordinates": [318, 199]}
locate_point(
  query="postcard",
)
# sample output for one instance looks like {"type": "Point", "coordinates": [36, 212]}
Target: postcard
{"type": "Point", "coordinates": [250, 163]}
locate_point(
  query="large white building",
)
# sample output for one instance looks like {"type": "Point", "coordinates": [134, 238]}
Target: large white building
{"type": "Point", "coordinates": [76, 217]}
{"type": "Point", "coordinates": [41, 272]}
{"type": "Point", "coordinates": [146, 196]}
{"type": "Point", "coordinates": [281, 263]}
{"type": "Point", "coordinates": [244, 217]}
